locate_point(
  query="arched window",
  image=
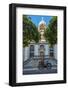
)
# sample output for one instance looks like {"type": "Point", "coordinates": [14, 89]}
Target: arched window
{"type": "Point", "coordinates": [41, 50]}
{"type": "Point", "coordinates": [41, 46]}
{"type": "Point", "coordinates": [51, 51]}
{"type": "Point", "coordinates": [31, 50]}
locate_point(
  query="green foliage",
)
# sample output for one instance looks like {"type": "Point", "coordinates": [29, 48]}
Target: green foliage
{"type": "Point", "coordinates": [51, 31]}
{"type": "Point", "coordinates": [30, 32]}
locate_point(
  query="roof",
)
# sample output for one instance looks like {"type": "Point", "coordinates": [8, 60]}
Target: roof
{"type": "Point", "coordinates": [42, 22]}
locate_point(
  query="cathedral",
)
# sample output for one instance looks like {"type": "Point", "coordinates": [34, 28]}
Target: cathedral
{"type": "Point", "coordinates": [35, 51]}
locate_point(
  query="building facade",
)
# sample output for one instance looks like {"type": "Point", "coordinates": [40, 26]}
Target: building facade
{"type": "Point", "coordinates": [41, 49]}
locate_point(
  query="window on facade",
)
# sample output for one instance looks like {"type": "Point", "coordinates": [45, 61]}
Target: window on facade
{"type": "Point", "coordinates": [52, 52]}
{"type": "Point", "coordinates": [42, 46]}
{"type": "Point", "coordinates": [31, 50]}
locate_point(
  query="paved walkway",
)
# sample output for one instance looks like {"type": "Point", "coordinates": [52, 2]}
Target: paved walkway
{"type": "Point", "coordinates": [39, 71]}
{"type": "Point", "coordinates": [31, 67]}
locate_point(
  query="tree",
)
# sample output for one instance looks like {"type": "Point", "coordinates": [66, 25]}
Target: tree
{"type": "Point", "coordinates": [30, 32]}
{"type": "Point", "coordinates": [51, 31]}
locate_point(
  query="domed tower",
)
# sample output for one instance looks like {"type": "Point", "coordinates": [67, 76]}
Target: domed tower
{"type": "Point", "coordinates": [41, 29]}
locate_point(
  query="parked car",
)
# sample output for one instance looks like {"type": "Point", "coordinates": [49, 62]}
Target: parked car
{"type": "Point", "coordinates": [48, 63]}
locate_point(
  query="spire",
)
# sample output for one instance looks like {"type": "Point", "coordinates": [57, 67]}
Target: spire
{"type": "Point", "coordinates": [42, 21]}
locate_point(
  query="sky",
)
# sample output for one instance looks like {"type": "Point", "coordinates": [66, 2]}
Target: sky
{"type": "Point", "coordinates": [37, 18]}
